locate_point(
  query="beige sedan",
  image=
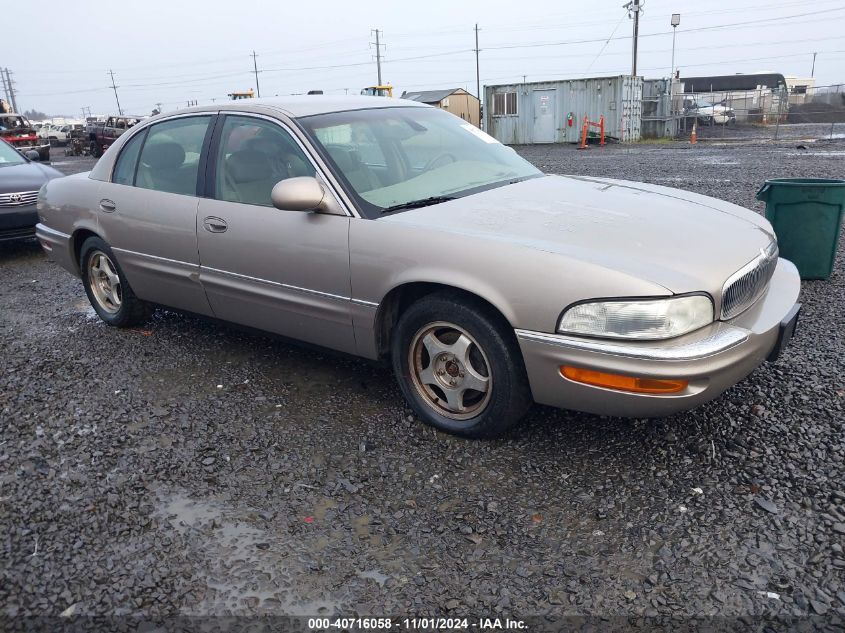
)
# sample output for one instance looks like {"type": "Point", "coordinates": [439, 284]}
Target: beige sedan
{"type": "Point", "coordinates": [390, 229]}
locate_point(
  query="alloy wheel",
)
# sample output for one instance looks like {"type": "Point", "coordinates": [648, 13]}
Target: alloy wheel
{"type": "Point", "coordinates": [450, 370]}
{"type": "Point", "coordinates": [104, 282]}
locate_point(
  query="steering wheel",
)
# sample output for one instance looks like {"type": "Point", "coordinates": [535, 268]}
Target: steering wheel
{"type": "Point", "coordinates": [440, 161]}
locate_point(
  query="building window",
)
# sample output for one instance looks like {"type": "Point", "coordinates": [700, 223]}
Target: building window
{"type": "Point", "coordinates": [504, 104]}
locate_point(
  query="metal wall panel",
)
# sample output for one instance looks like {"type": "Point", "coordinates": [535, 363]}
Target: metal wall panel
{"type": "Point", "coordinates": [619, 99]}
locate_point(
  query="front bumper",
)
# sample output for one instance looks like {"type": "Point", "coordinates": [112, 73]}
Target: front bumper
{"type": "Point", "coordinates": [712, 359]}
{"type": "Point", "coordinates": [18, 222]}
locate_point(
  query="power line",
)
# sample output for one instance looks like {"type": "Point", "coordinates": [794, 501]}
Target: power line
{"type": "Point", "coordinates": [606, 42]}
{"type": "Point", "coordinates": [693, 30]}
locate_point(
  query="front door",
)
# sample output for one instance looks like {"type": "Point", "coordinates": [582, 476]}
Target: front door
{"type": "Point", "coordinates": [544, 116]}
{"type": "Point", "coordinates": [281, 271]}
{"type": "Point", "coordinates": [148, 212]}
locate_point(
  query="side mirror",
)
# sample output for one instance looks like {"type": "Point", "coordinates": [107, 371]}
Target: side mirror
{"type": "Point", "coordinates": [32, 155]}
{"type": "Point", "coordinates": [303, 193]}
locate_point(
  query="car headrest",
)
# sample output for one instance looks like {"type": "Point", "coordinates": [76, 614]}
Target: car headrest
{"type": "Point", "coordinates": [347, 160]}
{"type": "Point", "coordinates": [164, 155]}
{"type": "Point", "coordinates": [263, 145]}
{"type": "Point", "coordinates": [248, 165]}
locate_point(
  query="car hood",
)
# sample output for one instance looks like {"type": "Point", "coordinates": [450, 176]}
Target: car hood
{"type": "Point", "coordinates": [26, 177]}
{"type": "Point", "coordinates": [682, 241]}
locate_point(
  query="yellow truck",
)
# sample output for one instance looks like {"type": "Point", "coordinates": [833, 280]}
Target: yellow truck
{"type": "Point", "coordinates": [378, 91]}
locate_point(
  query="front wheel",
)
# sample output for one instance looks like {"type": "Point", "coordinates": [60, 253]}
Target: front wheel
{"type": "Point", "coordinates": [106, 286]}
{"type": "Point", "coordinates": [459, 366]}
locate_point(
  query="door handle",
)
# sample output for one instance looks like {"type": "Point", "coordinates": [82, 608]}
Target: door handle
{"type": "Point", "coordinates": [107, 205]}
{"type": "Point", "coordinates": [215, 225]}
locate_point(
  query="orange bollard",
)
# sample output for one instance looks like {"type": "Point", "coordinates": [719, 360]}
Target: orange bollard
{"type": "Point", "coordinates": [601, 129]}
{"type": "Point", "coordinates": [693, 138]}
{"type": "Point", "coordinates": [583, 144]}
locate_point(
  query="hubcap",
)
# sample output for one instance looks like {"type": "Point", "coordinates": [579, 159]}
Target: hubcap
{"type": "Point", "coordinates": [450, 371]}
{"type": "Point", "coordinates": [105, 282]}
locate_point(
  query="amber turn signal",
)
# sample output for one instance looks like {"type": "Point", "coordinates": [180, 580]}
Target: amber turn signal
{"type": "Point", "coordinates": [622, 383]}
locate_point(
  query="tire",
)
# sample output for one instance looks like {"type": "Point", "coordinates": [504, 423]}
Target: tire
{"type": "Point", "coordinates": [106, 286]}
{"type": "Point", "coordinates": [473, 346]}
{"type": "Point", "coordinates": [96, 150]}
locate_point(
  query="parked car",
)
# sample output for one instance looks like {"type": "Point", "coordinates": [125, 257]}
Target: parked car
{"type": "Point", "coordinates": [102, 134]}
{"type": "Point", "coordinates": [20, 179]}
{"type": "Point", "coordinates": [16, 130]}
{"type": "Point", "coordinates": [392, 229]}
{"type": "Point", "coordinates": [60, 133]}
{"type": "Point", "coordinates": [709, 113]}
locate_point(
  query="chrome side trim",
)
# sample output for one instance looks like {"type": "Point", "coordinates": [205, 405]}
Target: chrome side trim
{"type": "Point", "coordinates": [277, 284]}
{"type": "Point", "coordinates": [719, 341]}
{"type": "Point", "coordinates": [156, 257]}
{"type": "Point", "coordinates": [43, 228]}
{"type": "Point", "coordinates": [227, 273]}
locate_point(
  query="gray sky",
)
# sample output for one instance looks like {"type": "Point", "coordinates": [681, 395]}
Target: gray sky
{"type": "Point", "coordinates": [175, 51]}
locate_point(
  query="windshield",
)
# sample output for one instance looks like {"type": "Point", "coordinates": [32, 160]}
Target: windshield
{"type": "Point", "coordinates": [9, 155]}
{"type": "Point", "coordinates": [389, 157]}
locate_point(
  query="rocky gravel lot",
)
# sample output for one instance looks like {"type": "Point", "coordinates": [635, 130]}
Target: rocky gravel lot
{"type": "Point", "coordinates": [191, 468]}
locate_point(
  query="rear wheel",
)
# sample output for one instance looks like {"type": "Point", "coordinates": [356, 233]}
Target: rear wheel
{"type": "Point", "coordinates": [459, 366]}
{"type": "Point", "coordinates": [106, 287]}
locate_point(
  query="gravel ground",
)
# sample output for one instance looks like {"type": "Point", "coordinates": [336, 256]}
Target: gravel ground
{"type": "Point", "coordinates": [191, 468]}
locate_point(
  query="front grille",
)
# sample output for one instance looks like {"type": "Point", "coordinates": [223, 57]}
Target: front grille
{"type": "Point", "coordinates": [18, 199]}
{"type": "Point", "coordinates": [747, 284]}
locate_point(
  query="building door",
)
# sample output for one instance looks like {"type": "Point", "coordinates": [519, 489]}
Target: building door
{"type": "Point", "coordinates": [544, 116]}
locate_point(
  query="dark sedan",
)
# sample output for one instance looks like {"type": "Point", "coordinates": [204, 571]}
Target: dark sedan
{"type": "Point", "coordinates": [20, 180]}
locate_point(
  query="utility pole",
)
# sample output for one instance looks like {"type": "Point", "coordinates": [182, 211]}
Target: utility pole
{"type": "Point", "coordinates": [634, 7]}
{"type": "Point", "coordinates": [478, 78]}
{"type": "Point", "coordinates": [255, 68]}
{"type": "Point", "coordinates": [813, 69]}
{"type": "Point", "coordinates": [119, 111]}
{"type": "Point", "coordinates": [675, 21]}
{"type": "Point", "coordinates": [5, 87]}
{"type": "Point", "coordinates": [11, 90]}
{"type": "Point", "coordinates": [378, 54]}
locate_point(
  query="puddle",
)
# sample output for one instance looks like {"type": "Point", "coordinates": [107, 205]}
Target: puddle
{"type": "Point", "coordinates": [247, 569]}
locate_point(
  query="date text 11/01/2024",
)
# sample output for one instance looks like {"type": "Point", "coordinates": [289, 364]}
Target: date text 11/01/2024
{"type": "Point", "coordinates": [416, 624]}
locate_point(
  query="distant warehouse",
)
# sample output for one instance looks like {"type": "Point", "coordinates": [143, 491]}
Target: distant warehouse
{"type": "Point", "coordinates": [455, 100]}
{"type": "Point", "coordinates": [554, 111]}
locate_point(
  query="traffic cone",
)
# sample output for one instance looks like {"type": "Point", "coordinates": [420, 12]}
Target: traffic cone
{"type": "Point", "coordinates": [693, 138]}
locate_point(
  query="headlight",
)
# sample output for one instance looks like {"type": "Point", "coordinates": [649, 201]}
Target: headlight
{"type": "Point", "coordinates": [642, 319]}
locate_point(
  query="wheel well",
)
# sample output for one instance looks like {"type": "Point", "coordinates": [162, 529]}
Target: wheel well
{"type": "Point", "coordinates": [76, 240]}
{"type": "Point", "coordinates": [402, 297]}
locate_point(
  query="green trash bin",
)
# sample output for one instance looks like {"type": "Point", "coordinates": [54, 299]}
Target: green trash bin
{"type": "Point", "coordinates": [806, 214]}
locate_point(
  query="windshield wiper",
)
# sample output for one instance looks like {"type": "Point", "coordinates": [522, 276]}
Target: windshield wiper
{"type": "Point", "coordinates": [416, 204]}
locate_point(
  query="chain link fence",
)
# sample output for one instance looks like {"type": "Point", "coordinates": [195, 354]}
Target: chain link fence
{"type": "Point", "coordinates": [798, 112]}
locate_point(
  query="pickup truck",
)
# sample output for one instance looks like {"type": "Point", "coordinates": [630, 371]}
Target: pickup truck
{"type": "Point", "coordinates": [102, 134]}
{"type": "Point", "coordinates": [18, 132]}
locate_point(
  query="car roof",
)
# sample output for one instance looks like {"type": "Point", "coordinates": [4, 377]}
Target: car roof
{"type": "Point", "coordinates": [306, 105]}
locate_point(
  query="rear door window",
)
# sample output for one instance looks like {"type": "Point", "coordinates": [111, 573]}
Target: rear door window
{"type": "Point", "coordinates": [124, 169]}
{"type": "Point", "coordinates": [170, 157]}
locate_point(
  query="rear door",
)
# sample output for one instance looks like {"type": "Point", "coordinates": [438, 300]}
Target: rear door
{"type": "Point", "coordinates": [148, 212]}
{"type": "Point", "coordinates": [281, 271]}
